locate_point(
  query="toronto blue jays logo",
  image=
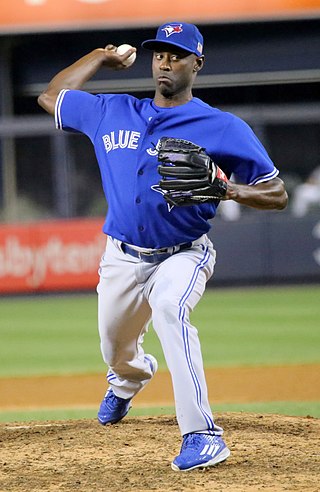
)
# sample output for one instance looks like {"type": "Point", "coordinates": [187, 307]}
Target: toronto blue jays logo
{"type": "Point", "coordinates": [172, 29]}
{"type": "Point", "coordinates": [155, 149]}
{"type": "Point", "coordinates": [153, 152]}
{"type": "Point", "coordinates": [157, 188]}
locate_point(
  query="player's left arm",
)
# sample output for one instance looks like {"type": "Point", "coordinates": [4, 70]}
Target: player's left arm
{"type": "Point", "coordinates": [267, 195]}
{"type": "Point", "coordinates": [243, 154]}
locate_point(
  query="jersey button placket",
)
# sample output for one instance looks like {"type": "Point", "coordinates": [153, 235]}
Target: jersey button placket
{"type": "Point", "coordinates": [138, 200]}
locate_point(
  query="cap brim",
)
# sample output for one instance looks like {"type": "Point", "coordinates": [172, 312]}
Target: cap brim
{"type": "Point", "coordinates": [155, 44]}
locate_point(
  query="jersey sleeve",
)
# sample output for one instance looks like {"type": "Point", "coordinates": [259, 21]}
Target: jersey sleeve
{"type": "Point", "coordinates": [243, 154]}
{"type": "Point", "coordinates": [79, 111]}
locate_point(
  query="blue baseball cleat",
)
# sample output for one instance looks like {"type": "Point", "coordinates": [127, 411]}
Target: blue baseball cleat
{"type": "Point", "coordinates": [200, 451]}
{"type": "Point", "coordinates": [113, 408]}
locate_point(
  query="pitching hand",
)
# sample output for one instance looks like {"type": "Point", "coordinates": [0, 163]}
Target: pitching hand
{"type": "Point", "coordinates": [114, 60]}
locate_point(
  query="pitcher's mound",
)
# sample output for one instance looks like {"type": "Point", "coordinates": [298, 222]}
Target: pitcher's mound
{"type": "Point", "coordinates": [270, 453]}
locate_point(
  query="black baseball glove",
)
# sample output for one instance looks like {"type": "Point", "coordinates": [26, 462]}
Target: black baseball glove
{"type": "Point", "coordinates": [190, 177]}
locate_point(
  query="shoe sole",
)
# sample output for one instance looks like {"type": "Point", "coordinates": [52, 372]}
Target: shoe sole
{"type": "Point", "coordinates": [215, 461]}
{"type": "Point", "coordinates": [111, 422]}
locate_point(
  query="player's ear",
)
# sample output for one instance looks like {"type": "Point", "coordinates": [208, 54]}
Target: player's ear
{"type": "Point", "coordinates": [198, 63]}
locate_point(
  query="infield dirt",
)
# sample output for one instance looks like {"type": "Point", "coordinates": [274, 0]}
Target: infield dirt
{"type": "Point", "coordinates": [270, 453]}
{"type": "Point", "coordinates": [225, 385]}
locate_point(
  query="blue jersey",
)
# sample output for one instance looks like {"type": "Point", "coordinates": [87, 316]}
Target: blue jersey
{"type": "Point", "coordinates": [125, 132]}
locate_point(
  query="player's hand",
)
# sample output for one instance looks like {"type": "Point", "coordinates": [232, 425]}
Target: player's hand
{"type": "Point", "coordinates": [114, 60]}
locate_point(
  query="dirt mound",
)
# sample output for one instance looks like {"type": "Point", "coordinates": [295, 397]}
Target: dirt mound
{"type": "Point", "coordinates": [269, 453]}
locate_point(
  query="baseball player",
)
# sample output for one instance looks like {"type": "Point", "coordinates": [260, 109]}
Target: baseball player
{"type": "Point", "coordinates": [162, 189]}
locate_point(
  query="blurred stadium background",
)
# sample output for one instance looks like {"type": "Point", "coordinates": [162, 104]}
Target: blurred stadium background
{"type": "Point", "coordinates": [262, 63]}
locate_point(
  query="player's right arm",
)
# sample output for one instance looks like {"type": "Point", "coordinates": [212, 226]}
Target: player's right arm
{"type": "Point", "coordinates": [77, 74]}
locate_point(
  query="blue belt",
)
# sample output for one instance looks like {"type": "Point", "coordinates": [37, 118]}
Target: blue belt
{"type": "Point", "coordinates": [156, 255]}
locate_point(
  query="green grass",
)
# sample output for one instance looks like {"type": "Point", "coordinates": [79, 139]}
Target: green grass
{"type": "Point", "coordinates": [49, 335]}
{"type": "Point", "coordinates": [261, 326]}
{"type": "Point", "coordinates": [282, 408]}
{"type": "Point", "coordinates": [253, 326]}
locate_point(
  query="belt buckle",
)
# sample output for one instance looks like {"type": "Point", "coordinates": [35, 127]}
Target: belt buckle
{"type": "Point", "coordinates": [141, 254]}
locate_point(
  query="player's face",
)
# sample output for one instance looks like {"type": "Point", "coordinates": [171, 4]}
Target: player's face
{"type": "Point", "coordinates": [173, 72]}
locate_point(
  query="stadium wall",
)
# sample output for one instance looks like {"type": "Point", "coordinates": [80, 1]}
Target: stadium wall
{"type": "Point", "coordinates": [64, 255]}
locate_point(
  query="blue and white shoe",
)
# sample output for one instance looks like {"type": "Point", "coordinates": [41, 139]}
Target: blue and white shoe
{"type": "Point", "coordinates": [200, 451]}
{"type": "Point", "coordinates": [113, 408]}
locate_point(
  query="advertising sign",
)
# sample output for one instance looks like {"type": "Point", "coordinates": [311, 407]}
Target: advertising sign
{"type": "Point", "coordinates": [48, 256]}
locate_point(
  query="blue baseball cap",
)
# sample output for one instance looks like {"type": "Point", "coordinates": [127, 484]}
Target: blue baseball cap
{"type": "Point", "coordinates": [180, 34]}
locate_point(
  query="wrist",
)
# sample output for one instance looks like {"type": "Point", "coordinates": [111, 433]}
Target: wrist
{"type": "Point", "coordinates": [99, 55]}
{"type": "Point", "coordinates": [232, 191]}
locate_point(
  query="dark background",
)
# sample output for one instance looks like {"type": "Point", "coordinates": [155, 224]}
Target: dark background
{"type": "Point", "coordinates": [266, 72]}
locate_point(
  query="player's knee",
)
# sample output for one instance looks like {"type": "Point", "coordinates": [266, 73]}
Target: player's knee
{"type": "Point", "coordinates": [163, 310]}
{"type": "Point", "coordinates": [114, 363]}
{"type": "Point", "coordinates": [110, 356]}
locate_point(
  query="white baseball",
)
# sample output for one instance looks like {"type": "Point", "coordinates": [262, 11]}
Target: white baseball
{"type": "Point", "coordinates": [122, 49]}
